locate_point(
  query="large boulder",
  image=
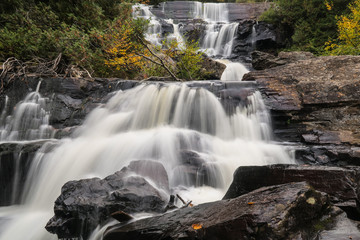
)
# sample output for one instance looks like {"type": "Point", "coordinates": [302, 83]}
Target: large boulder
{"type": "Point", "coordinates": [341, 184]}
{"type": "Point", "coordinates": [87, 203]}
{"type": "Point", "coordinates": [277, 212]}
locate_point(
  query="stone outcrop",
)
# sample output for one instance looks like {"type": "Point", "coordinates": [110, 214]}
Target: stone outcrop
{"type": "Point", "coordinates": [341, 184]}
{"type": "Point", "coordinates": [289, 211]}
{"type": "Point", "coordinates": [253, 36]}
{"type": "Point", "coordinates": [314, 101]}
{"type": "Point", "coordinates": [262, 60]}
{"type": "Point", "coordinates": [84, 204]}
{"type": "Point", "coordinates": [212, 69]}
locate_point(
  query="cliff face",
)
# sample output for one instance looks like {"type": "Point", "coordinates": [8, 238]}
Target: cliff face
{"type": "Point", "coordinates": [316, 101]}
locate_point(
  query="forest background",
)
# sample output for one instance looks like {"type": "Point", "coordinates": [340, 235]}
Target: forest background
{"type": "Point", "coordinates": [102, 38]}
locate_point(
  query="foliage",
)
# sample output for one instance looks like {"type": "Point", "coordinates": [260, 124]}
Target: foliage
{"type": "Point", "coordinates": [348, 40]}
{"type": "Point", "coordinates": [306, 24]}
{"type": "Point", "coordinates": [97, 35]}
{"type": "Point", "coordinates": [189, 62]}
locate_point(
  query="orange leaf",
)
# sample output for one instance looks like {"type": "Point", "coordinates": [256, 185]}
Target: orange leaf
{"type": "Point", "coordinates": [250, 203]}
{"type": "Point", "coordinates": [196, 226]}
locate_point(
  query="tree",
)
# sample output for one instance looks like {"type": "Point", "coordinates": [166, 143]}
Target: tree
{"type": "Point", "coordinates": [306, 24]}
{"type": "Point", "coordinates": [348, 40]}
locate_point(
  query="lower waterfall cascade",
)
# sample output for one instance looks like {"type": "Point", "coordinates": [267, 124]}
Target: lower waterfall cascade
{"type": "Point", "coordinates": [153, 121]}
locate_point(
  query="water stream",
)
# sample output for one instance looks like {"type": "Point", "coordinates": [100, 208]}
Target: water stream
{"type": "Point", "coordinates": [154, 122]}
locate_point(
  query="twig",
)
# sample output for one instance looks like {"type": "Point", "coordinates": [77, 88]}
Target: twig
{"type": "Point", "coordinates": [159, 58]}
{"type": "Point", "coordinates": [182, 200]}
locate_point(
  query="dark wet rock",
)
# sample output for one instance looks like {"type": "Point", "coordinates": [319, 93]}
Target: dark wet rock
{"type": "Point", "coordinates": [277, 212]}
{"type": "Point", "coordinates": [15, 161]}
{"type": "Point", "coordinates": [166, 28]}
{"type": "Point", "coordinates": [152, 170]}
{"type": "Point", "coordinates": [337, 226]}
{"type": "Point", "coordinates": [330, 155]}
{"type": "Point", "coordinates": [253, 36]}
{"type": "Point", "coordinates": [86, 203]}
{"type": "Point", "coordinates": [315, 100]}
{"type": "Point", "coordinates": [266, 37]}
{"type": "Point", "coordinates": [342, 184]}
{"type": "Point", "coordinates": [263, 60]}
{"type": "Point", "coordinates": [70, 99]}
{"type": "Point", "coordinates": [193, 170]}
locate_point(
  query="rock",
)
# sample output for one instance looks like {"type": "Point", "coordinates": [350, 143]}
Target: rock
{"type": "Point", "coordinates": [314, 100]}
{"type": "Point", "coordinates": [277, 212]}
{"type": "Point", "coordinates": [253, 36]}
{"type": "Point", "coordinates": [194, 30]}
{"type": "Point", "coordinates": [184, 10]}
{"type": "Point", "coordinates": [265, 37]}
{"type": "Point", "coordinates": [337, 226]}
{"type": "Point", "coordinates": [262, 60]}
{"type": "Point", "coordinates": [212, 70]}
{"type": "Point", "coordinates": [193, 170]}
{"type": "Point", "coordinates": [295, 56]}
{"type": "Point", "coordinates": [340, 183]}
{"type": "Point", "coordinates": [86, 203]}
{"type": "Point", "coordinates": [329, 154]}
{"type": "Point", "coordinates": [71, 99]}
{"type": "Point", "coordinates": [152, 170]}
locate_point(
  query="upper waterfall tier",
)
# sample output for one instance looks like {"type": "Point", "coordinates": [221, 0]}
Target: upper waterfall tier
{"type": "Point", "coordinates": [180, 10]}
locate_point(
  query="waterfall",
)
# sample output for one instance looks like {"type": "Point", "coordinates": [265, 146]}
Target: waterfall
{"type": "Point", "coordinates": [156, 122]}
{"type": "Point", "coordinates": [176, 35]}
{"type": "Point", "coordinates": [154, 29]}
{"type": "Point", "coordinates": [197, 11]}
{"type": "Point", "coordinates": [216, 12]}
{"type": "Point", "coordinates": [148, 122]}
{"type": "Point", "coordinates": [30, 120]}
{"type": "Point", "coordinates": [234, 71]}
{"type": "Point", "coordinates": [219, 38]}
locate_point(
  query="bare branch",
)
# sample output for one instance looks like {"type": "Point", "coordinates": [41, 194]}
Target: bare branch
{"type": "Point", "coordinates": [159, 58]}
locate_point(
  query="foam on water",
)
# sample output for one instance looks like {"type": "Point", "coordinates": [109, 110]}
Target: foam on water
{"type": "Point", "coordinates": [148, 122]}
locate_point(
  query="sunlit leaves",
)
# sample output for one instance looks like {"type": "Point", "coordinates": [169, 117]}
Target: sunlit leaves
{"type": "Point", "coordinates": [348, 40]}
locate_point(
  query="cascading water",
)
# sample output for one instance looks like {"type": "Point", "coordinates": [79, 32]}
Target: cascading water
{"type": "Point", "coordinates": [30, 120]}
{"type": "Point", "coordinates": [150, 122]}
{"type": "Point", "coordinates": [154, 29]}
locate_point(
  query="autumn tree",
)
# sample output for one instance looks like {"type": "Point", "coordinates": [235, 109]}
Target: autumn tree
{"type": "Point", "coordinates": [348, 40]}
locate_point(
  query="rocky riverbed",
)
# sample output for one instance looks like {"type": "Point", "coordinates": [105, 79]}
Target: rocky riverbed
{"type": "Point", "coordinates": [314, 104]}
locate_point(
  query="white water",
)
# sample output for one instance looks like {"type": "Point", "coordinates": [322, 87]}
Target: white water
{"type": "Point", "coordinates": [234, 71]}
{"type": "Point", "coordinates": [176, 35]}
{"type": "Point", "coordinates": [147, 122]}
{"type": "Point", "coordinates": [154, 29]}
{"type": "Point", "coordinates": [154, 123]}
{"type": "Point", "coordinates": [29, 121]}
